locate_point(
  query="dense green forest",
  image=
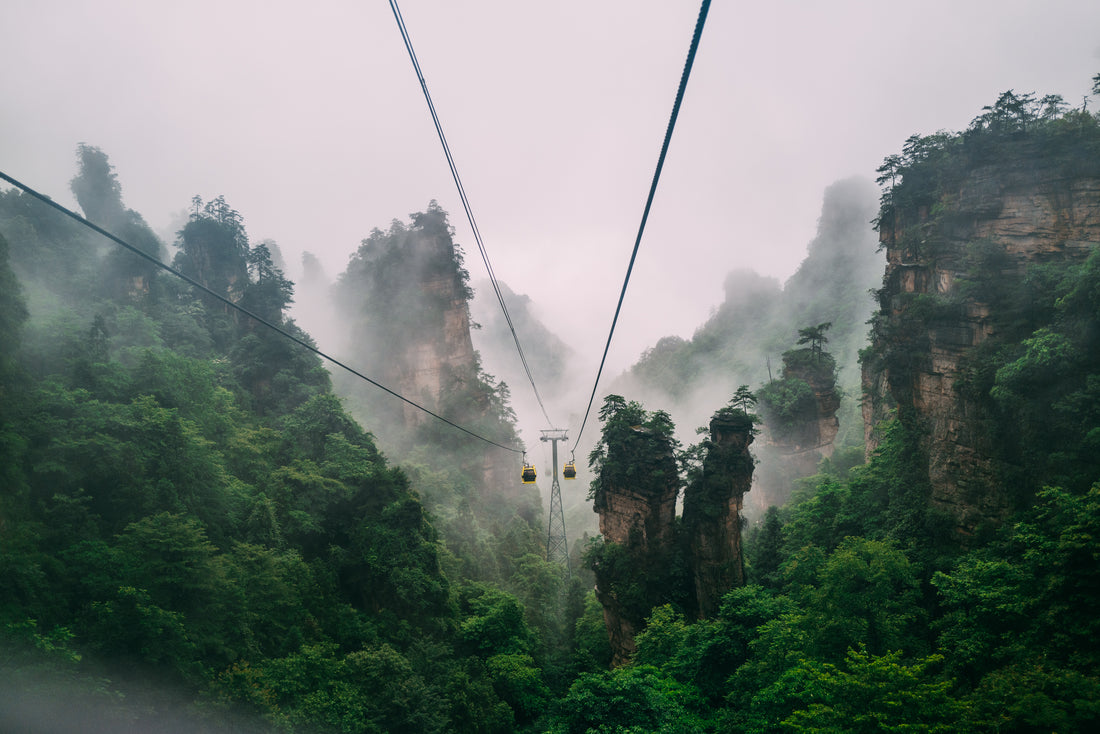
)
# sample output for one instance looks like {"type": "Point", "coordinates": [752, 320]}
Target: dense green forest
{"type": "Point", "coordinates": [194, 529]}
{"type": "Point", "coordinates": [195, 534]}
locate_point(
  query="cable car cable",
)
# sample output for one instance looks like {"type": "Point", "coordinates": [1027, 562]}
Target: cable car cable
{"type": "Point", "coordinates": [465, 202]}
{"type": "Point", "coordinates": [649, 202]}
{"type": "Point", "coordinates": [47, 200]}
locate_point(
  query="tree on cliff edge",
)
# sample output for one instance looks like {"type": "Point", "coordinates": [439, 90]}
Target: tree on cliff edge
{"type": "Point", "coordinates": [815, 337]}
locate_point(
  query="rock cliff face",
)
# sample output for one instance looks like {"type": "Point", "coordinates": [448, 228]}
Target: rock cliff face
{"type": "Point", "coordinates": [638, 517]}
{"type": "Point", "coordinates": [816, 435]}
{"type": "Point", "coordinates": [712, 512]}
{"type": "Point", "coordinates": [934, 311]}
{"type": "Point", "coordinates": [800, 422]}
{"type": "Point", "coordinates": [409, 291]}
{"type": "Point", "coordinates": [647, 558]}
{"type": "Point", "coordinates": [430, 362]}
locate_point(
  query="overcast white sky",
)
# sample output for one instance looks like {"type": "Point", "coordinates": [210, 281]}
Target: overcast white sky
{"type": "Point", "coordinates": [310, 121]}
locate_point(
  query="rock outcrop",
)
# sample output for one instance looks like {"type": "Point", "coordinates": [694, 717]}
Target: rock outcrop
{"type": "Point", "coordinates": [435, 361]}
{"type": "Point", "coordinates": [800, 408]}
{"type": "Point", "coordinates": [712, 511]}
{"type": "Point", "coordinates": [647, 558]}
{"type": "Point", "coordinates": [800, 422]}
{"type": "Point", "coordinates": [409, 291]}
{"type": "Point", "coordinates": [637, 517]}
{"type": "Point", "coordinates": [999, 220]}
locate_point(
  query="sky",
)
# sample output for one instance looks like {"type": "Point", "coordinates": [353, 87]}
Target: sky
{"type": "Point", "coordinates": [309, 119]}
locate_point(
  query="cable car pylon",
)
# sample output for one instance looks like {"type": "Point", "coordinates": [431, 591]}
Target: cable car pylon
{"type": "Point", "coordinates": [557, 548]}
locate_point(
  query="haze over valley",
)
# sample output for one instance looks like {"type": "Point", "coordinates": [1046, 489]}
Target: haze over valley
{"type": "Point", "coordinates": [274, 409]}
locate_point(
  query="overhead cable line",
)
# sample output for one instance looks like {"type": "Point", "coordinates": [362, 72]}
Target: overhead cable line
{"type": "Point", "coordinates": [465, 202]}
{"type": "Point", "coordinates": [649, 202]}
{"type": "Point", "coordinates": [277, 329]}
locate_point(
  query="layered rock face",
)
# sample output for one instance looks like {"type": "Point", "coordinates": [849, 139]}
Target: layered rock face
{"type": "Point", "coordinates": [800, 423]}
{"type": "Point", "coordinates": [647, 559]}
{"type": "Point", "coordinates": [408, 289]}
{"type": "Point", "coordinates": [638, 518]}
{"type": "Point", "coordinates": [817, 434]}
{"type": "Point", "coordinates": [429, 362]}
{"type": "Point", "coordinates": [930, 320]}
{"type": "Point", "coordinates": [712, 513]}
{"type": "Point", "coordinates": [641, 513]}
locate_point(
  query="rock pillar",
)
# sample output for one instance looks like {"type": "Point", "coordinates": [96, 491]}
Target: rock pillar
{"type": "Point", "coordinates": [712, 511]}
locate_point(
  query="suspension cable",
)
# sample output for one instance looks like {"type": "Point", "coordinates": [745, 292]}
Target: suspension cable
{"type": "Point", "coordinates": [465, 202]}
{"type": "Point", "coordinates": [649, 202]}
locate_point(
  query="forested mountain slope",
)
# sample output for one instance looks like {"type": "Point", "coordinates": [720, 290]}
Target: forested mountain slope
{"type": "Point", "coordinates": [195, 535]}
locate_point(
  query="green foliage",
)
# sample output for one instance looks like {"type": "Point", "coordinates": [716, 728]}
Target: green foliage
{"type": "Point", "coordinates": [492, 623]}
{"type": "Point", "coordinates": [815, 336]}
{"type": "Point", "coordinates": [627, 700]}
{"type": "Point", "coordinates": [816, 366]}
{"type": "Point", "coordinates": [865, 592]}
{"type": "Point", "coordinates": [787, 404]}
{"type": "Point", "coordinates": [183, 499]}
{"type": "Point", "coordinates": [743, 400]}
{"type": "Point", "coordinates": [213, 246]}
{"type": "Point", "coordinates": [518, 681]}
{"type": "Point", "coordinates": [1019, 618]}
{"type": "Point", "coordinates": [627, 577]}
{"type": "Point", "coordinates": [591, 650]}
{"type": "Point", "coordinates": [374, 689]}
{"type": "Point", "coordinates": [1033, 590]}
{"type": "Point", "coordinates": [636, 448]}
{"type": "Point", "coordinates": [1032, 695]}
{"type": "Point", "coordinates": [13, 311]}
{"type": "Point", "coordinates": [702, 654]}
{"type": "Point", "coordinates": [871, 693]}
{"type": "Point", "coordinates": [764, 550]}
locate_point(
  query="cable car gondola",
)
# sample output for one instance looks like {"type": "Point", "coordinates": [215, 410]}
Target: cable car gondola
{"type": "Point", "coordinates": [528, 475]}
{"type": "Point", "coordinates": [570, 470]}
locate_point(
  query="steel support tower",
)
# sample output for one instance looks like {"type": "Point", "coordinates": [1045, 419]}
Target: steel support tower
{"type": "Point", "coordinates": [557, 548]}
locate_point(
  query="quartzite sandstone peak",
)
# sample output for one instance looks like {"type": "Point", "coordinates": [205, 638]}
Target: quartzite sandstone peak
{"type": "Point", "coordinates": [1019, 210]}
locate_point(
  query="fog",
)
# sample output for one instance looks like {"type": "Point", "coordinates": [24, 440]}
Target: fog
{"type": "Point", "coordinates": [313, 126]}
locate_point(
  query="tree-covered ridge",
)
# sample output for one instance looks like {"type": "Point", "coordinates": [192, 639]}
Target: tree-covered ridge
{"type": "Point", "coordinates": [1016, 126]}
{"type": "Point", "coordinates": [195, 529]}
{"type": "Point", "coordinates": [1029, 380]}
